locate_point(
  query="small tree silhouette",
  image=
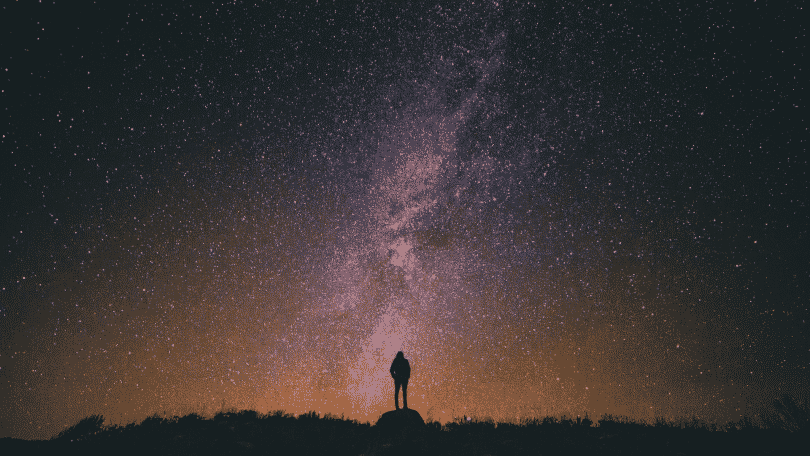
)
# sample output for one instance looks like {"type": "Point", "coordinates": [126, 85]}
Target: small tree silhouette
{"type": "Point", "coordinates": [86, 427]}
{"type": "Point", "coordinates": [791, 415]}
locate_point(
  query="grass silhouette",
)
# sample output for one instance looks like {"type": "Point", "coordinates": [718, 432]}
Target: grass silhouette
{"type": "Point", "coordinates": [248, 432]}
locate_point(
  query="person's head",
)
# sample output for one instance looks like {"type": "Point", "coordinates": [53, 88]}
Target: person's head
{"type": "Point", "coordinates": [400, 355]}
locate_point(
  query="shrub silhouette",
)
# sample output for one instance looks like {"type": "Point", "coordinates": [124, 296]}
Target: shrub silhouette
{"type": "Point", "coordinates": [661, 422]}
{"type": "Point", "coordinates": [745, 423]}
{"type": "Point", "coordinates": [434, 425]}
{"type": "Point", "coordinates": [85, 428]}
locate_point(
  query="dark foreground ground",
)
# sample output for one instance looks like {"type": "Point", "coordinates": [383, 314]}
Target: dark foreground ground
{"type": "Point", "coordinates": [249, 433]}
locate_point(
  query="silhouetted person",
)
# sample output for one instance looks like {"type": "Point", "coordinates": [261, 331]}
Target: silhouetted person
{"type": "Point", "coordinates": [401, 371]}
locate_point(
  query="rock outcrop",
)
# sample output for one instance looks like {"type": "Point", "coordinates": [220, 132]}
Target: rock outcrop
{"type": "Point", "coordinates": [400, 419]}
{"type": "Point", "coordinates": [398, 432]}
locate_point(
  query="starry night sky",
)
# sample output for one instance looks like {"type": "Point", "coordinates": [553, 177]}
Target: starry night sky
{"type": "Point", "coordinates": [550, 209]}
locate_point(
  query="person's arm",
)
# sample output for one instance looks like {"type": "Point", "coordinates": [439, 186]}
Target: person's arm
{"type": "Point", "coordinates": [392, 370]}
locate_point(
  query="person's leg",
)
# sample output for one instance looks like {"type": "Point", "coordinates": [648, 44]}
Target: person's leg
{"type": "Point", "coordinates": [405, 394]}
{"type": "Point", "coordinates": [396, 394]}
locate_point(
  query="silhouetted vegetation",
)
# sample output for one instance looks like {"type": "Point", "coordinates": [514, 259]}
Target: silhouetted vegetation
{"type": "Point", "coordinates": [249, 432]}
{"type": "Point", "coordinates": [789, 414]}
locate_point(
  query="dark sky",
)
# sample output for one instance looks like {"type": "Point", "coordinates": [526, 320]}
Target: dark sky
{"type": "Point", "coordinates": [550, 209]}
